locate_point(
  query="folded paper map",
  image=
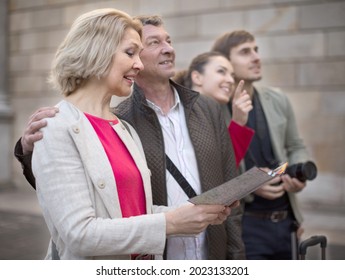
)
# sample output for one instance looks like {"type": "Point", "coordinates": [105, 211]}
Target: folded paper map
{"type": "Point", "coordinates": [238, 187]}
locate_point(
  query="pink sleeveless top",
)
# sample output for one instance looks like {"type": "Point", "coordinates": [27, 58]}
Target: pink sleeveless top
{"type": "Point", "coordinates": [129, 183]}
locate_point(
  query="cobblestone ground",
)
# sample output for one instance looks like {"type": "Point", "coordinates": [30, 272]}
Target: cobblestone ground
{"type": "Point", "coordinates": [22, 236]}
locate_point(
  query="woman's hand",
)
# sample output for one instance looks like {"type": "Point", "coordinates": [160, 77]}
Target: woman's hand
{"type": "Point", "coordinates": [192, 219]}
{"type": "Point", "coordinates": [241, 105]}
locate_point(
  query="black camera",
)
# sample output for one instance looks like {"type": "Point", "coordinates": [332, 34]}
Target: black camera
{"type": "Point", "coordinates": [302, 171]}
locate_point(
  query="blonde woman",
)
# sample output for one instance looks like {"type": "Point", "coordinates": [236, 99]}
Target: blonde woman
{"type": "Point", "coordinates": [92, 180]}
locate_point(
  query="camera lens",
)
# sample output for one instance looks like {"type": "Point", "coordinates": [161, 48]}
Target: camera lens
{"type": "Point", "coordinates": [302, 171]}
{"type": "Point", "coordinates": [309, 170]}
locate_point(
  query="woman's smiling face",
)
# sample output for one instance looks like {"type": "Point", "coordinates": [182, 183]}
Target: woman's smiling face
{"type": "Point", "coordinates": [126, 64]}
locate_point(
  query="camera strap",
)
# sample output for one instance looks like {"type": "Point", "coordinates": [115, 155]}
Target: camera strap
{"type": "Point", "coordinates": [180, 179]}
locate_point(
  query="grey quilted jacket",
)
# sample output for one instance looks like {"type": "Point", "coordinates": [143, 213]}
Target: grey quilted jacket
{"type": "Point", "coordinates": [214, 155]}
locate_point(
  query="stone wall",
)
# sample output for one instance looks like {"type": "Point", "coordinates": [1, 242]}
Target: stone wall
{"type": "Point", "coordinates": [5, 107]}
{"type": "Point", "coordinates": [302, 44]}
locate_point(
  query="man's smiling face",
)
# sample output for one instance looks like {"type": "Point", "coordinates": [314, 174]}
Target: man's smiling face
{"type": "Point", "coordinates": [158, 55]}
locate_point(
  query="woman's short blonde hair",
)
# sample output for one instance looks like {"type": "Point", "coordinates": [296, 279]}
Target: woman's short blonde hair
{"type": "Point", "coordinates": [88, 49]}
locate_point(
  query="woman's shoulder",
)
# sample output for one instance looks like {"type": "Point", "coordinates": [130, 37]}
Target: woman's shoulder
{"type": "Point", "coordinates": [67, 115]}
{"type": "Point", "coordinates": [68, 109]}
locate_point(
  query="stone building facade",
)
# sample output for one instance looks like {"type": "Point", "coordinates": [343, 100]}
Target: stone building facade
{"type": "Point", "coordinates": [302, 44]}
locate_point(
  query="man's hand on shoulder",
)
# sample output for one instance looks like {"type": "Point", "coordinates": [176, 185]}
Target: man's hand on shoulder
{"type": "Point", "coordinates": [36, 122]}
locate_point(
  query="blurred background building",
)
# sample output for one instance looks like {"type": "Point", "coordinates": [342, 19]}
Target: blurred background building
{"type": "Point", "coordinates": [302, 45]}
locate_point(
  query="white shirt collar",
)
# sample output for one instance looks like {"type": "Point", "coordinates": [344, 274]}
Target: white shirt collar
{"type": "Point", "coordinates": [159, 110]}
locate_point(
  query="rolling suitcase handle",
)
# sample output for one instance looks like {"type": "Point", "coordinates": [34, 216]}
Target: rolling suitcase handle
{"type": "Point", "coordinates": [312, 241]}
